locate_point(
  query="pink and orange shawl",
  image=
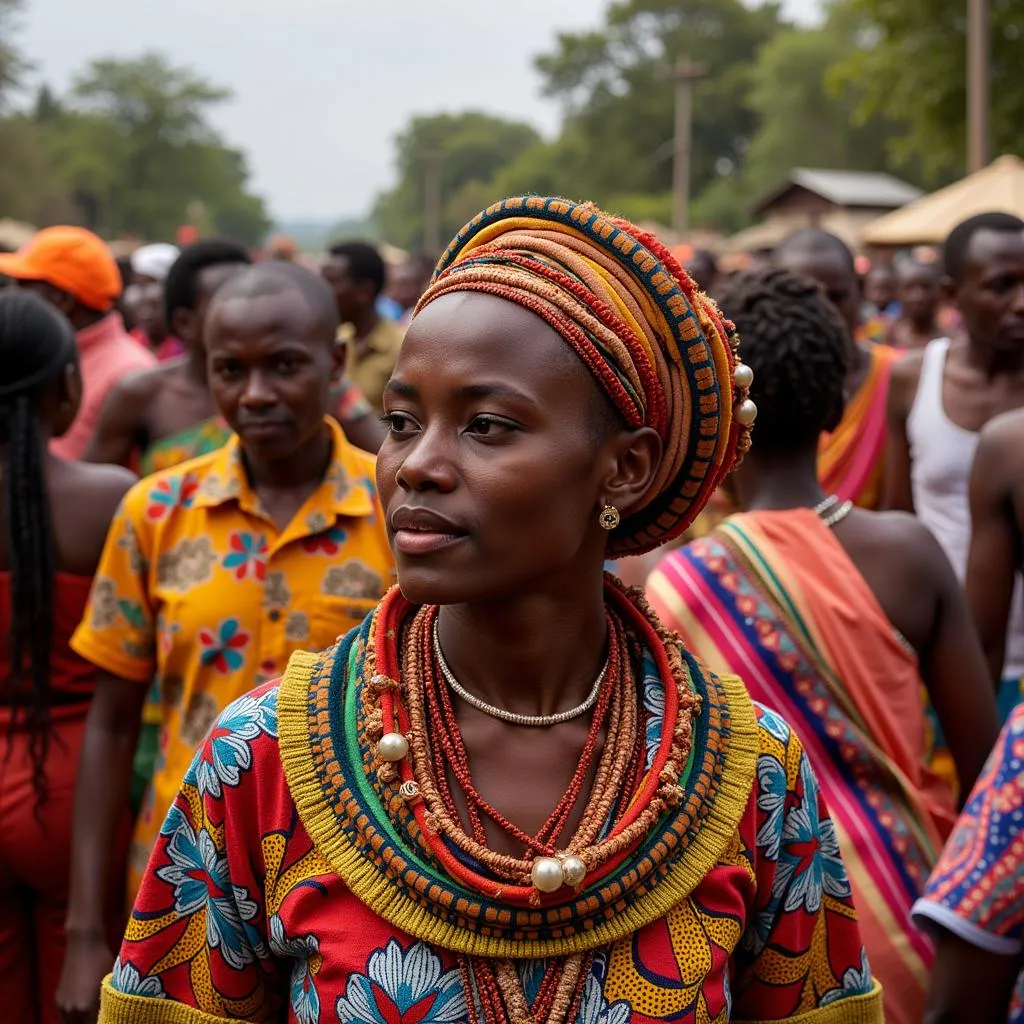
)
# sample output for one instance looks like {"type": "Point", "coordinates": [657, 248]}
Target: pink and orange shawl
{"type": "Point", "coordinates": [774, 598]}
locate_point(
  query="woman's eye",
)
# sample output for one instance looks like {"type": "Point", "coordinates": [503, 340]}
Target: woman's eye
{"type": "Point", "coordinates": [488, 426]}
{"type": "Point", "coordinates": [399, 422]}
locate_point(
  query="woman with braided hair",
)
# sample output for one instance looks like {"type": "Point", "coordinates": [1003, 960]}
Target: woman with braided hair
{"type": "Point", "coordinates": [54, 518]}
{"type": "Point", "coordinates": [834, 615]}
{"type": "Point", "coordinates": [511, 795]}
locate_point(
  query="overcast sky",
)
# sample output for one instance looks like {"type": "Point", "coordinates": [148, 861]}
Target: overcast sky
{"type": "Point", "coordinates": [322, 86]}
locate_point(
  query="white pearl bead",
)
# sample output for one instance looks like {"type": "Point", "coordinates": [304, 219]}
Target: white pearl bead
{"type": "Point", "coordinates": [745, 412]}
{"type": "Point", "coordinates": [573, 871]}
{"type": "Point", "coordinates": [546, 874]}
{"type": "Point", "coordinates": [392, 746]}
{"type": "Point", "coordinates": [743, 375]}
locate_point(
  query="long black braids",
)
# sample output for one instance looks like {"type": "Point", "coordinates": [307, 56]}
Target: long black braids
{"type": "Point", "coordinates": [36, 345]}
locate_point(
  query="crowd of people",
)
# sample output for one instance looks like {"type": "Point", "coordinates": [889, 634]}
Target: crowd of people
{"type": "Point", "coordinates": [687, 704]}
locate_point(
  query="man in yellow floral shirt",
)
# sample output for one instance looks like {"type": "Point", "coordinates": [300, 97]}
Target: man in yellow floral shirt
{"type": "Point", "coordinates": [216, 571]}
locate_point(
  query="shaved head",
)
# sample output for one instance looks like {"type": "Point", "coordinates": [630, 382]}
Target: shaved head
{"type": "Point", "coordinates": [275, 277]}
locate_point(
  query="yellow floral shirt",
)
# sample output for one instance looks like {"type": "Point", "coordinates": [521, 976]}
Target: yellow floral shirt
{"type": "Point", "coordinates": [198, 588]}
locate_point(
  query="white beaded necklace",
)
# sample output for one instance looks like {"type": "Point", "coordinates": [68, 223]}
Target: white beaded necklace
{"type": "Point", "coordinates": [537, 721]}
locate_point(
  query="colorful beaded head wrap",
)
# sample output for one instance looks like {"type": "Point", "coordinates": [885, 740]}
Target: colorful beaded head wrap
{"type": "Point", "coordinates": [658, 346]}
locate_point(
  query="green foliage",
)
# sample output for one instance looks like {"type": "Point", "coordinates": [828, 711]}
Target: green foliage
{"type": "Point", "coordinates": [910, 63]}
{"type": "Point", "coordinates": [470, 149]}
{"type": "Point", "coordinates": [791, 75]}
{"type": "Point", "coordinates": [129, 151]}
{"type": "Point", "coordinates": [134, 145]}
{"type": "Point", "coordinates": [29, 190]}
{"type": "Point", "coordinates": [12, 64]}
{"type": "Point", "coordinates": [616, 87]}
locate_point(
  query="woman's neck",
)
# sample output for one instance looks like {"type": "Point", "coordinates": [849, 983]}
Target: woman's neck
{"type": "Point", "coordinates": [778, 481]}
{"type": "Point", "coordinates": [537, 655]}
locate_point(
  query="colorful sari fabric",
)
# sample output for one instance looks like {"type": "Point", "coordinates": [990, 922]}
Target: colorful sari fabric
{"type": "Point", "coordinates": [327, 904]}
{"type": "Point", "coordinates": [200, 439]}
{"type": "Point", "coordinates": [850, 458]}
{"type": "Point", "coordinates": [774, 596]}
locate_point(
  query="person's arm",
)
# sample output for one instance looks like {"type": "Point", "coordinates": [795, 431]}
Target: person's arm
{"type": "Point", "coordinates": [995, 552]}
{"type": "Point", "coordinates": [117, 635]}
{"type": "Point", "coordinates": [953, 666]}
{"type": "Point", "coordinates": [121, 429]}
{"type": "Point", "coordinates": [896, 491]}
{"type": "Point", "coordinates": [973, 904]}
{"type": "Point", "coordinates": [101, 800]}
{"type": "Point", "coordinates": [969, 985]}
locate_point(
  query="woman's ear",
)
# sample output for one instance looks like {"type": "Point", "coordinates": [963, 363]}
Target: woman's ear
{"type": "Point", "coordinates": [636, 460]}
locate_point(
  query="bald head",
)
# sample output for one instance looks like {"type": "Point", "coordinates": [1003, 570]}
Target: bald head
{"type": "Point", "coordinates": [825, 258]}
{"type": "Point", "coordinates": [276, 277]}
{"type": "Point", "coordinates": [813, 242]}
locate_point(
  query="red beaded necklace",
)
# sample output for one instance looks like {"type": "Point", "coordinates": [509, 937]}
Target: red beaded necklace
{"type": "Point", "coordinates": [451, 759]}
{"type": "Point", "coordinates": [414, 704]}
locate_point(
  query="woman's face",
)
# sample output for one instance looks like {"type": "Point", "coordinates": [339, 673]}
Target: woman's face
{"type": "Point", "coordinates": [492, 471]}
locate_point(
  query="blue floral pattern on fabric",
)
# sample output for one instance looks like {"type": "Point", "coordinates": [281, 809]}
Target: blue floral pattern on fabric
{"type": "Point", "coordinates": [229, 752]}
{"type": "Point", "coordinates": [654, 705]}
{"type": "Point", "coordinates": [403, 986]}
{"type": "Point", "coordinates": [809, 861]}
{"type": "Point", "coordinates": [854, 980]}
{"type": "Point", "coordinates": [304, 950]}
{"type": "Point", "coordinates": [199, 875]}
{"type": "Point", "coordinates": [127, 979]}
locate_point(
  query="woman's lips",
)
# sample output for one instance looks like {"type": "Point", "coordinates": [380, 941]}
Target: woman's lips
{"type": "Point", "coordinates": [424, 542]}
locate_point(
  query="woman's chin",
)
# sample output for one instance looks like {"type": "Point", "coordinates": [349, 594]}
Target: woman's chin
{"type": "Point", "coordinates": [420, 587]}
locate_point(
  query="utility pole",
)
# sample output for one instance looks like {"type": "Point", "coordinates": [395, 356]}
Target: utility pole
{"type": "Point", "coordinates": [432, 202]}
{"type": "Point", "coordinates": [684, 74]}
{"type": "Point", "coordinates": [978, 44]}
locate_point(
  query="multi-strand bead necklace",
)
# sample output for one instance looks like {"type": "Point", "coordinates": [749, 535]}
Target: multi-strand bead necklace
{"type": "Point", "coordinates": [409, 703]}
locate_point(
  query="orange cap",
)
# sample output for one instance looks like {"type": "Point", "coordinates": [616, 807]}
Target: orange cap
{"type": "Point", "coordinates": [71, 259]}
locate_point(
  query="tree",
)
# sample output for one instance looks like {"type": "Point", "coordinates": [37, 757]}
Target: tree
{"type": "Point", "coordinates": [29, 190]}
{"type": "Point", "coordinates": [12, 63]}
{"type": "Point", "coordinates": [911, 65]}
{"type": "Point", "coordinates": [805, 120]}
{"type": "Point", "coordinates": [471, 148]}
{"type": "Point", "coordinates": [615, 85]}
{"type": "Point", "coordinates": [133, 145]}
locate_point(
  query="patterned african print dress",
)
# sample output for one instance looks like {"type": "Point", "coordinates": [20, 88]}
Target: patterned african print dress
{"type": "Point", "coordinates": [977, 890]}
{"type": "Point", "coordinates": [290, 883]}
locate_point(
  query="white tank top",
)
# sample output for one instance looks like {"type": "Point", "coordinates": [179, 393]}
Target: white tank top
{"type": "Point", "coordinates": [941, 457]}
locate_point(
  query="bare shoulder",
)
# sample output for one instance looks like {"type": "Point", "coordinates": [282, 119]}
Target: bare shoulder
{"type": "Point", "coordinates": [1004, 435]}
{"type": "Point", "coordinates": [903, 540]}
{"type": "Point", "coordinates": [99, 487]}
{"type": "Point", "coordinates": [906, 372]}
{"type": "Point", "coordinates": [84, 499]}
{"type": "Point", "coordinates": [140, 387]}
{"type": "Point", "coordinates": [999, 460]}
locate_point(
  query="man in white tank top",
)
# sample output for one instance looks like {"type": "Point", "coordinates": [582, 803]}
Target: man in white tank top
{"type": "Point", "coordinates": [941, 396]}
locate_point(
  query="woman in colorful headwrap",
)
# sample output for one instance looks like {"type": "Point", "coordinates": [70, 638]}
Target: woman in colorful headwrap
{"type": "Point", "coordinates": [511, 796]}
{"type": "Point", "coordinates": [834, 615]}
